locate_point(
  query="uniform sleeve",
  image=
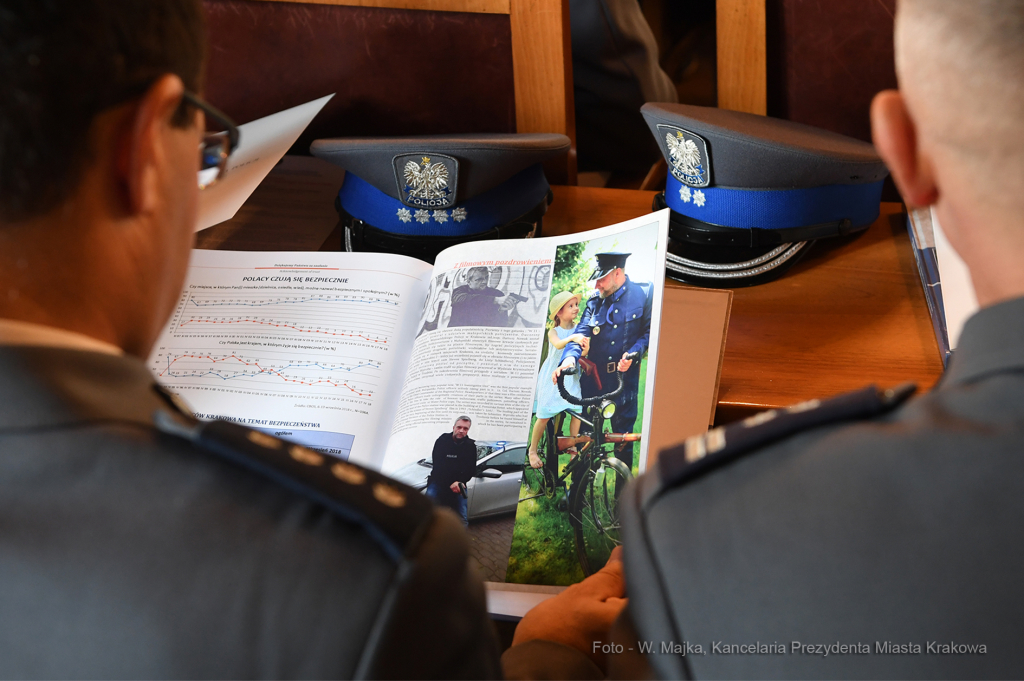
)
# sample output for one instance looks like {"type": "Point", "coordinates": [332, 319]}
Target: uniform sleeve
{"type": "Point", "coordinates": [438, 627]}
{"type": "Point", "coordinates": [644, 340]}
{"type": "Point", "coordinates": [573, 349]}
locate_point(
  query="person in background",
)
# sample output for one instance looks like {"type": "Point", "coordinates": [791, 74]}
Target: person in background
{"type": "Point", "coordinates": [615, 71]}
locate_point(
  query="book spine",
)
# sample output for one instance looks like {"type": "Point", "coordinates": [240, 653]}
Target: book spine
{"type": "Point", "coordinates": [928, 271]}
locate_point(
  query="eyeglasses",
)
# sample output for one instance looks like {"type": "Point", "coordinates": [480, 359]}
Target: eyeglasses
{"type": "Point", "coordinates": [215, 148]}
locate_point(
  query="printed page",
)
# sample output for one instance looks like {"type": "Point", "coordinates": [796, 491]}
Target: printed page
{"type": "Point", "coordinates": [310, 347]}
{"type": "Point", "coordinates": [261, 144]}
{"type": "Point", "coordinates": [484, 357]}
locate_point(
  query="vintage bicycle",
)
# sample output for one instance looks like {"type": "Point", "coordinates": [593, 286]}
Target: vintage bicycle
{"type": "Point", "coordinates": [591, 481]}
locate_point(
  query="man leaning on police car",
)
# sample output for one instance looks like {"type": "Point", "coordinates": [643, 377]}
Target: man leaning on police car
{"type": "Point", "coordinates": [138, 542]}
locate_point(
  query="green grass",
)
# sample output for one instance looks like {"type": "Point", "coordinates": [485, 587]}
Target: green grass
{"type": "Point", "coordinates": [543, 547]}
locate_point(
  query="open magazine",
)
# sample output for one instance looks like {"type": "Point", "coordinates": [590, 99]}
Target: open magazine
{"type": "Point", "coordinates": [377, 358]}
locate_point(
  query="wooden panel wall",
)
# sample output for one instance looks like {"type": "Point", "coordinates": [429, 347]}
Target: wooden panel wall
{"type": "Point", "coordinates": [542, 66]}
{"type": "Point", "coordinates": [826, 61]}
{"type": "Point", "coordinates": [541, 62]}
{"type": "Point", "coordinates": [742, 64]}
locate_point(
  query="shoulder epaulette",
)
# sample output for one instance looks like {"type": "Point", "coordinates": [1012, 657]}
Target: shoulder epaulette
{"type": "Point", "coordinates": [701, 454]}
{"type": "Point", "coordinates": [394, 515]}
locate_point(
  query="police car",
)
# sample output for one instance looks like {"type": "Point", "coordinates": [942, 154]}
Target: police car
{"type": "Point", "coordinates": [494, 489]}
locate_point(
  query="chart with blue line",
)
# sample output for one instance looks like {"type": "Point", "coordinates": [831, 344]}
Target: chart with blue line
{"type": "Point", "coordinates": [272, 372]}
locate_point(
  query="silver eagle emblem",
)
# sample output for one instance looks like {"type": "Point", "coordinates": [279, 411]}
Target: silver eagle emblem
{"type": "Point", "coordinates": [426, 180]}
{"type": "Point", "coordinates": [685, 156]}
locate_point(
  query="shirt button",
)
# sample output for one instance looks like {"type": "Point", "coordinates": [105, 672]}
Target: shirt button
{"type": "Point", "coordinates": [615, 326]}
{"type": "Point", "coordinates": [634, 316]}
{"type": "Point", "coordinates": [613, 342]}
{"type": "Point", "coordinates": [617, 312]}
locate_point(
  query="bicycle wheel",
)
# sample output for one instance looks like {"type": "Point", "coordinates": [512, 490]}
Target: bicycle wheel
{"type": "Point", "coordinates": [594, 512]}
{"type": "Point", "coordinates": [541, 482]}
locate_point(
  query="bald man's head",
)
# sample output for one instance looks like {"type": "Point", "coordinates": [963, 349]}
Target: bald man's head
{"type": "Point", "coordinates": [961, 70]}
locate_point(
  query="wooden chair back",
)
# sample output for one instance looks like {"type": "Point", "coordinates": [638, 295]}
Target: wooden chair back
{"type": "Point", "coordinates": [741, 57]}
{"type": "Point", "coordinates": [399, 67]}
{"type": "Point", "coordinates": [742, 75]}
{"type": "Point", "coordinates": [810, 62]}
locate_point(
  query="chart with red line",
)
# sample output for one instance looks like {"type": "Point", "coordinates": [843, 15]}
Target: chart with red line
{"type": "Point", "coordinates": [307, 347]}
{"type": "Point", "coordinates": [268, 371]}
{"type": "Point", "coordinates": [360, 318]}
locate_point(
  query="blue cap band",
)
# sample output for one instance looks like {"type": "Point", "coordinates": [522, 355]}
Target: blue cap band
{"type": "Point", "coordinates": [498, 206]}
{"type": "Point", "coordinates": [776, 208]}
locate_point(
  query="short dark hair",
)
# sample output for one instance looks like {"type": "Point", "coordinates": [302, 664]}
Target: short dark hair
{"type": "Point", "coordinates": [64, 61]}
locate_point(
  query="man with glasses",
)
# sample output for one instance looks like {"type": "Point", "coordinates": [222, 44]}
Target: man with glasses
{"type": "Point", "coordinates": [135, 541]}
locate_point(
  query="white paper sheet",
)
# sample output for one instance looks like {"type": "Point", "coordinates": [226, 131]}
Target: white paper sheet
{"type": "Point", "coordinates": [261, 145]}
{"type": "Point", "coordinates": [958, 298]}
{"type": "Point", "coordinates": [309, 347]}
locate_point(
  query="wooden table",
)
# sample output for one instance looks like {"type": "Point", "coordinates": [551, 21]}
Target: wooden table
{"type": "Point", "coordinates": [851, 312]}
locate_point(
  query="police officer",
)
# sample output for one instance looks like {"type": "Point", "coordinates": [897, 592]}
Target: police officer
{"type": "Point", "coordinates": [617, 320]}
{"type": "Point", "coordinates": [137, 541]}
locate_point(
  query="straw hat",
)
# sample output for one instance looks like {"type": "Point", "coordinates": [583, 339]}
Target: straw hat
{"type": "Point", "coordinates": [559, 301]}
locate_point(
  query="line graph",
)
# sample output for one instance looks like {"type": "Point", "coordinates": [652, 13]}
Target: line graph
{"type": "Point", "coordinates": [215, 301]}
{"type": "Point", "coordinates": [349, 317]}
{"type": "Point", "coordinates": [277, 371]}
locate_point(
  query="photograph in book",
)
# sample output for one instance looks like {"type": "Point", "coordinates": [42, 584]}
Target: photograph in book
{"type": "Point", "coordinates": [588, 414]}
{"type": "Point", "coordinates": [492, 296]}
{"type": "Point", "coordinates": [460, 428]}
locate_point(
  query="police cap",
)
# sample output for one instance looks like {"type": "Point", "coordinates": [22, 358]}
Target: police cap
{"type": "Point", "coordinates": [420, 195]}
{"type": "Point", "coordinates": [750, 193]}
{"type": "Point", "coordinates": [607, 262]}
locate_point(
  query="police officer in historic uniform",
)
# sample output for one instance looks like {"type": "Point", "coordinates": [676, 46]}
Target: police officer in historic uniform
{"type": "Point", "coordinates": [137, 541]}
{"type": "Point", "coordinates": [617, 320]}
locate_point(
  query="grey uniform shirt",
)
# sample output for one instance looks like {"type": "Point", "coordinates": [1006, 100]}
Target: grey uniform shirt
{"type": "Point", "coordinates": [126, 552]}
{"type": "Point", "coordinates": [902, 532]}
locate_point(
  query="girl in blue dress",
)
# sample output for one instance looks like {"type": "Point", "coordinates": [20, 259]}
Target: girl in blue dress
{"type": "Point", "coordinates": [564, 308]}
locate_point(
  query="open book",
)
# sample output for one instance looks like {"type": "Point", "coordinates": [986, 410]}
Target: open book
{"type": "Point", "coordinates": [374, 357]}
